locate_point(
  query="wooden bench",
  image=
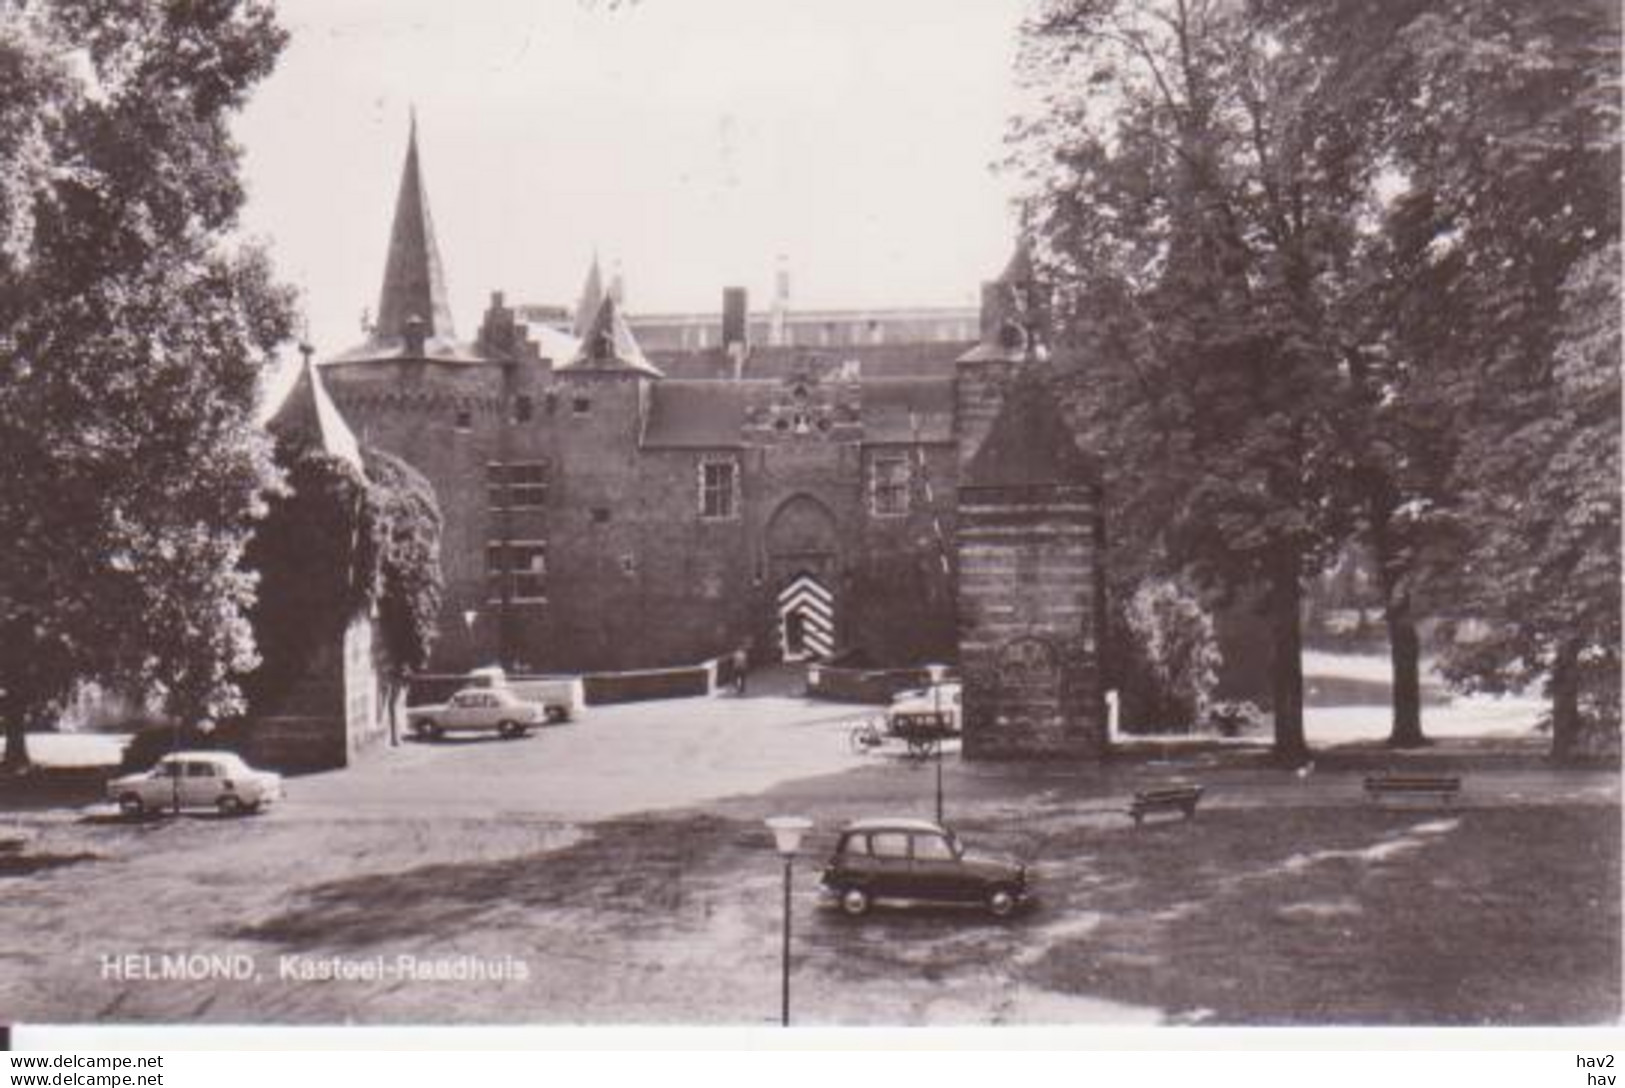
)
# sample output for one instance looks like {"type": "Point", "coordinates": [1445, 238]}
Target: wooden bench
{"type": "Point", "coordinates": [1166, 799]}
{"type": "Point", "coordinates": [1441, 788]}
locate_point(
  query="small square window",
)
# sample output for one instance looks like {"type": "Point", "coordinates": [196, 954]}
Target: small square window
{"type": "Point", "coordinates": [581, 406]}
{"type": "Point", "coordinates": [524, 409]}
{"type": "Point", "coordinates": [600, 515]}
{"type": "Point", "coordinates": [465, 419]}
{"type": "Point", "coordinates": [629, 564]}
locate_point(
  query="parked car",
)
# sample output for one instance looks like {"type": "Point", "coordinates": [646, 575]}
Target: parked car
{"type": "Point", "coordinates": [217, 780]}
{"type": "Point", "coordinates": [919, 860]}
{"type": "Point", "coordinates": [477, 710]}
{"type": "Point", "coordinates": [945, 698]}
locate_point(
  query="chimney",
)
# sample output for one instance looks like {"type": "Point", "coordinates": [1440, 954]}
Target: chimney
{"type": "Point", "coordinates": [736, 326]}
{"type": "Point", "coordinates": [735, 316]}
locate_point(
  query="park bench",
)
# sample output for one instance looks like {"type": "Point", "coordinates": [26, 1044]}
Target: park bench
{"type": "Point", "coordinates": [1425, 787]}
{"type": "Point", "coordinates": [1165, 799]}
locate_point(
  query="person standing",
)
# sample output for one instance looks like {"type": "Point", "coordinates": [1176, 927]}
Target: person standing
{"type": "Point", "coordinates": [741, 665]}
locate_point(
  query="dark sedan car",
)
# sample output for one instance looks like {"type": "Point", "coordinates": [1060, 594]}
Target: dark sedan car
{"type": "Point", "coordinates": [922, 861]}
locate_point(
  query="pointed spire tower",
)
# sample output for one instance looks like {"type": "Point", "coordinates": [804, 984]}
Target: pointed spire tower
{"type": "Point", "coordinates": [1013, 312]}
{"type": "Point", "coordinates": [608, 346]}
{"type": "Point", "coordinates": [592, 296]}
{"type": "Point", "coordinates": [413, 311]}
{"type": "Point", "coordinates": [1014, 317]}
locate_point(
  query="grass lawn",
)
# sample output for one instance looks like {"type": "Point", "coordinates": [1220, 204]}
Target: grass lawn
{"type": "Point", "coordinates": [1349, 916]}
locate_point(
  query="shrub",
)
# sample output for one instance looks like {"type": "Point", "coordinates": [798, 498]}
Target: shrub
{"type": "Point", "coordinates": [1166, 660]}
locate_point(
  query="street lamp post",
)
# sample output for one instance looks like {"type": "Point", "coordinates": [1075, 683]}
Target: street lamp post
{"type": "Point", "coordinates": [939, 780]}
{"type": "Point", "coordinates": [787, 833]}
{"type": "Point", "coordinates": [937, 672]}
{"type": "Point", "coordinates": [469, 617]}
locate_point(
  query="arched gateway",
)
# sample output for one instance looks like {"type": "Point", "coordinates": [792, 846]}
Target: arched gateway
{"type": "Point", "coordinates": [803, 553]}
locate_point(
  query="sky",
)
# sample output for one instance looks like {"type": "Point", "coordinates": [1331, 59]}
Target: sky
{"type": "Point", "coordinates": [689, 142]}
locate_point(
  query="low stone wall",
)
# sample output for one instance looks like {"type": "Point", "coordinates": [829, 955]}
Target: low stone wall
{"type": "Point", "coordinates": [592, 689]}
{"type": "Point", "coordinates": [294, 744]}
{"type": "Point", "coordinates": [632, 687]}
{"type": "Point", "coordinates": [862, 685]}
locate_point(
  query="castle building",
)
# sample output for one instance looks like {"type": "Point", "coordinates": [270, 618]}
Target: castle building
{"type": "Point", "coordinates": [626, 493]}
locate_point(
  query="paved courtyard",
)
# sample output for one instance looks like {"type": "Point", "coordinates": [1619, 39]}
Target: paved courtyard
{"type": "Point", "coordinates": [619, 864]}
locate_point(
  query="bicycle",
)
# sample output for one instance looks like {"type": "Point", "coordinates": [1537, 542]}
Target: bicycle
{"type": "Point", "coordinates": [865, 737]}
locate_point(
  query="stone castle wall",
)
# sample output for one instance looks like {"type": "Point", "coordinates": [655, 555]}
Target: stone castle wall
{"type": "Point", "coordinates": [636, 577]}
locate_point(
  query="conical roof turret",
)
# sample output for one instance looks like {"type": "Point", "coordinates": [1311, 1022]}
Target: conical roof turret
{"type": "Point", "coordinates": [308, 417]}
{"type": "Point", "coordinates": [608, 345]}
{"type": "Point", "coordinates": [1030, 444]}
{"type": "Point", "coordinates": [592, 296]}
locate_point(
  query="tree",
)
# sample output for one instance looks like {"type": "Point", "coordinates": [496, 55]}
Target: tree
{"type": "Point", "coordinates": [132, 338]}
{"type": "Point", "coordinates": [1320, 259]}
{"type": "Point", "coordinates": [1200, 233]}
{"type": "Point", "coordinates": [1504, 238]}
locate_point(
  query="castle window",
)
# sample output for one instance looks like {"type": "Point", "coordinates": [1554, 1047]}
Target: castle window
{"type": "Point", "coordinates": [629, 564]}
{"type": "Point", "coordinates": [496, 489]}
{"type": "Point", "coordinates": [600, 515]}
{"type": "Point", "coordinates": [581, 406]}
{"type": "Point", "coordinates": [524, 409]}
{"type": "Point", "coordinates": [888, 485]}
{"type": "Point", "coordinates": [464, 420]}
{"type": "Point", "coordinates": [520, 567]}
{"type": "Point", "coordinates": [719, 489]}
{"type": "Point", "coordinates": [518, 486]}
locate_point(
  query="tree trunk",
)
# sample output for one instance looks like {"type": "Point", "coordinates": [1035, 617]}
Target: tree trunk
{"type": "Point", "coordinates": [1404, 646]}
{"type": "Point", "coordinates": [1405, 653]}
{"type": "Point", "coordinates": [1565, 688]}
{"type": "Point", "coordinates": [16, 740]}
{"type": "Point", "coordinates": [1286, 665]}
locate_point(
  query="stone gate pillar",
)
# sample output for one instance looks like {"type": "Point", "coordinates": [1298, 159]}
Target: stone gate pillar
{"type": "Point", "coordinates": [1031, 596]}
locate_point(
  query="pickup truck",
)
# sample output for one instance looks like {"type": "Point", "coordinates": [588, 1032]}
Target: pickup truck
{"type": "Point", "coordinates": [562, 696]}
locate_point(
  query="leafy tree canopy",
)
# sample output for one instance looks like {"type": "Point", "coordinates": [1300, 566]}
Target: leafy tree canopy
{"type": "Point", "coordinates": [132, 339]}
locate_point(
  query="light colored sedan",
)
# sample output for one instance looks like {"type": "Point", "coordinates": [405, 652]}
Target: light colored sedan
{"type": "Point", "coordinates": [217, 780]}
{"type": "Point", "coordinates": [478, 710]}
